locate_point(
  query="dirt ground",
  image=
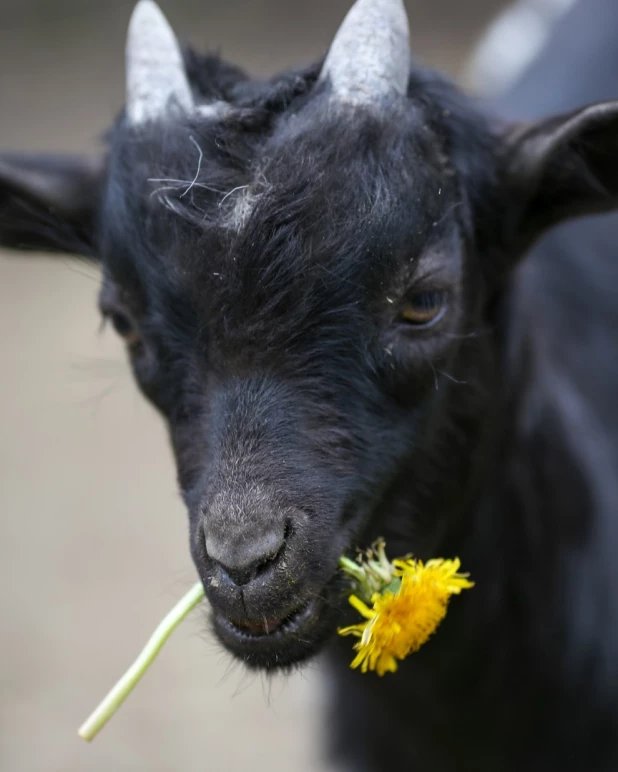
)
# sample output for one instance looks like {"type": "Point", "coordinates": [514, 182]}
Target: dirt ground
{"type": "Point", "coordinates": [93, 545]}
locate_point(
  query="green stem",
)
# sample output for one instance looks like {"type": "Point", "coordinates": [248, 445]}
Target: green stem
{"type": "Point", "coordinates": [352, 568]}
{"type": "Point", "coordinates": [93, 725]}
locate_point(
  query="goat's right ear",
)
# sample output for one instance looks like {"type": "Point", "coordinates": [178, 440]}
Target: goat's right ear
{"type": "Point", "coordinates": [50, 202]}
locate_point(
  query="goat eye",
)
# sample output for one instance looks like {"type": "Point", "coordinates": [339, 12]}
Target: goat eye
{"type": "Point", "coordinates": [424, 309]}
{"type": "Point", "coordinates": [124, 327]}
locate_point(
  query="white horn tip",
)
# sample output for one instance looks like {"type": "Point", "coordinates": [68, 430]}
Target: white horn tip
{"type": "Point", "coordinates": [147, 18]}
{"type": "Point", "coordinates": [370, 55]}
{"type": "Point", "coordinates": [147, 12]}
{"type": "Point", "coordinates": [155, 67]}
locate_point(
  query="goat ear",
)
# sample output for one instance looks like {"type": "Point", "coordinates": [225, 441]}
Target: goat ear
{"type": "Point", "coordinates": [50, 202]}
{"type": "Point", "coordinates": [563, 167]}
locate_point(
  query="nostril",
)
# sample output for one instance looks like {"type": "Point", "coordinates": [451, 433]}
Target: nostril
{"type": "Point", "coordinates": [264, 565]}
{"type": "Point", "coordinates": [244, 561]}
{"type": "Point", "coordinates": [242, 575]}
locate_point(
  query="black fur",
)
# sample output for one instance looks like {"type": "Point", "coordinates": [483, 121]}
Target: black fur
{"type": "Point", "coordinates": [259, 265]}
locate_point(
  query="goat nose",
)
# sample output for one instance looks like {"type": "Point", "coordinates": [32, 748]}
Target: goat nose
{"type": "Point", "coordinates": [243, 561]}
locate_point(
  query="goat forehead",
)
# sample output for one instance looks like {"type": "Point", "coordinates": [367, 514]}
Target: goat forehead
{"type": "Point", "coordinates": [220, 170]}
{"type": "Point", "coordinates": [311, 212]}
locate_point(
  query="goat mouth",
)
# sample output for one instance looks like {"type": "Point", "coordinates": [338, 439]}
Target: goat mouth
{"type": "Point", "coordinates": [269, 631]}
{"type": "Point", "coordinates": [273, 627]}
{"type": "Point", "coordinates": [277, 643]}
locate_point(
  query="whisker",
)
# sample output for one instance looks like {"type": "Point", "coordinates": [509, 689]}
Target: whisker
{"type": "Point", "coordinates": [465, 336]}
{"type": "Point", "coordinates": [435, 375]}
{"type": "Point", "coordinates": [70, 264]}
{"type": "Point", "coordinates": [452, 378]}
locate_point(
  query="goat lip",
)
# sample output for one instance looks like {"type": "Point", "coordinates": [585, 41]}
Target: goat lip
{"type": "Point", "coordinates": [266, 627]}
{"type": "Point", "coordinates": [244, 632]}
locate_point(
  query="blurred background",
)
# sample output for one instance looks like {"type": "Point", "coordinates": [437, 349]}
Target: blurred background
{"type": "Point", "coordinates": [93, 544]}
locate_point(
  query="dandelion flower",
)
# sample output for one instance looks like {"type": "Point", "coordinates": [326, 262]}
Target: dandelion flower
{"type": "Point", "coordinates": [402, 603]}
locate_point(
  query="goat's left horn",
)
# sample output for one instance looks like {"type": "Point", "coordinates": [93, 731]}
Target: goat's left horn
{"type": "Point", "coordinates": [370, 55]}
{"type": "Point", "coordinates": [156, 76]}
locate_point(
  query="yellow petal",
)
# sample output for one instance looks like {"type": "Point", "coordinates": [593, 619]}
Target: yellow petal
{"type": "Point", "coordinates": [362, 608]}
{"type": "Point", "coordinates": [356, 630]}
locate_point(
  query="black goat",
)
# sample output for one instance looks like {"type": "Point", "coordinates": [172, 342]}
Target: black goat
{"type": "Point", "coordinates": [318, 280]}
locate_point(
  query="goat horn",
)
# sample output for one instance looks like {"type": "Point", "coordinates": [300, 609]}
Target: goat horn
{"type": "Point", "coordinates": [156, 77]}
{"type": "Point", "coordinates": [370, 56]}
